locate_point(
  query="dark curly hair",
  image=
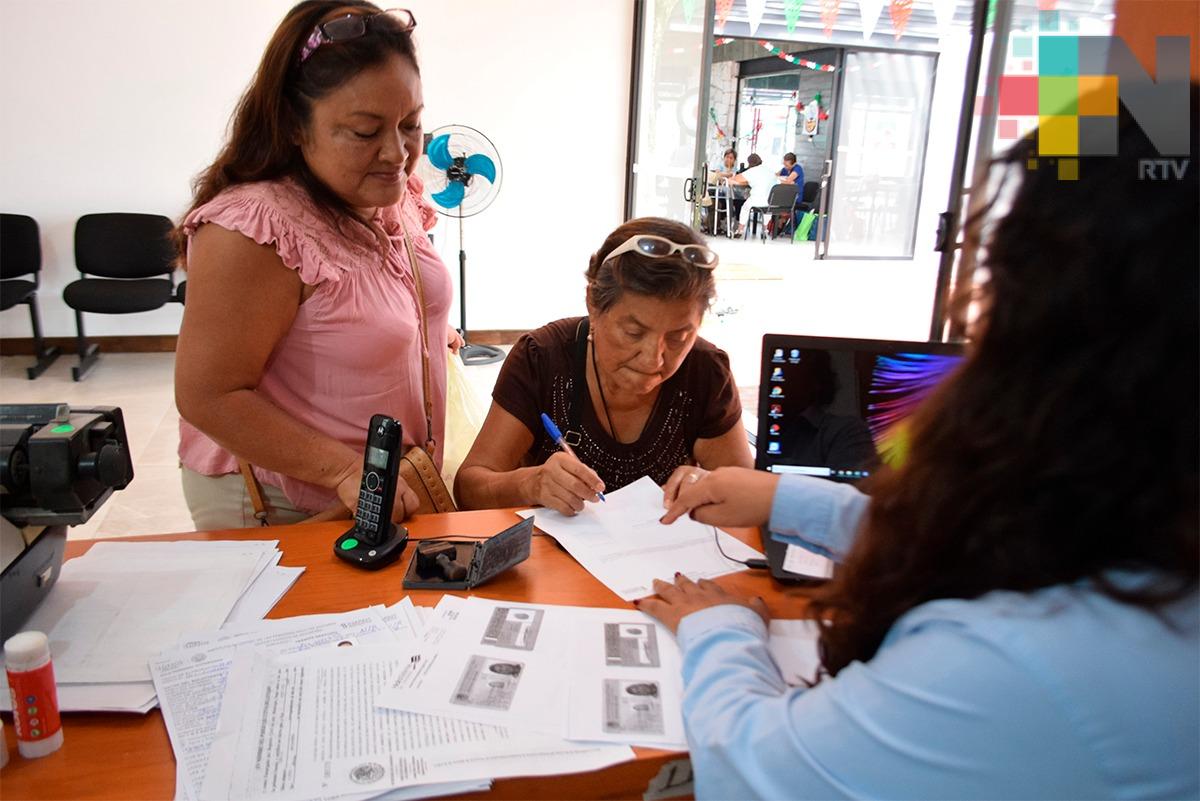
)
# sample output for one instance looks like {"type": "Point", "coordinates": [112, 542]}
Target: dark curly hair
{"type": "Point", "coordinates": [277, 106]}
{"type": "Point", "coordinates": [1065, 447]}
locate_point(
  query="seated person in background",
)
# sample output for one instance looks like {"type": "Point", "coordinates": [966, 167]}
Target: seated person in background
{"type": "Point", "coordinates": [759, 177]}
{"type": "Point", "coordinates": [1016, 613]}
{"type": "Point", "coordinates": [715, 212]}
{"type": "Point", "coordinates": [727, 168]}
{"type": "Point", "coordinates": [641, 392]}
{"type": "Point", "coordinates": [792, 173]}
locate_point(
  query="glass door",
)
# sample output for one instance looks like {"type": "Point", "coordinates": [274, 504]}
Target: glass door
{"type": "Point", "coordinates": [673, 54]}
{"type": "Point", "coordinates": [1008, 39]}
{"type": "Point", "coordinates": [879, 158]}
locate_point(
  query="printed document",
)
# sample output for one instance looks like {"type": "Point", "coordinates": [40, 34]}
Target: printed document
{"type": "Point", "coordinates": [622, 543]}
{"type": "Point", "coordinates": [593, 675]}
{"type": "Point", "coordinates": [626, 682]}
{"type": "Point", "coordinates": [489, 662]}
{"type": "Point", "coordinates": [294, 728]}
{"type": "Point", "coordinates": [191, 679]}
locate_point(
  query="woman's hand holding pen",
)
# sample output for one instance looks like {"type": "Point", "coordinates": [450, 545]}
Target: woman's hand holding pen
{"type": "Point", "coordinates": [564, 484]}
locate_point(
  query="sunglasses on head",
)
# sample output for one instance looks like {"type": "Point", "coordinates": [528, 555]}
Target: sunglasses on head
{"type": "Point", "coordinates": [352, 26]}
{"type": "Point", "coordinates": [657, 247]}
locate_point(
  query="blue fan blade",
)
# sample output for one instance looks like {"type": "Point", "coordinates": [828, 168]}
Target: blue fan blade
{"type": "Point", "coordinates": [479, 164]}
{"type": "Point", "coordinates": [439, 152]}
{"type": "Point", "coordinates": [451, 196]}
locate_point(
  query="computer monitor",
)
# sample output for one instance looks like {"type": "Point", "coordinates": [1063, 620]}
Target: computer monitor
{"type": "Point", "coordinates": [839, 408]}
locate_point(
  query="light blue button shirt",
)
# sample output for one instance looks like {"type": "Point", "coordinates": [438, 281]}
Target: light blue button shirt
{"type": "Point", "coordinates": [1059, 693]}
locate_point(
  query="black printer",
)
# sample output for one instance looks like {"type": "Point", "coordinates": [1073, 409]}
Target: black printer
{"type": "Point", "coordinates": [58, 464]}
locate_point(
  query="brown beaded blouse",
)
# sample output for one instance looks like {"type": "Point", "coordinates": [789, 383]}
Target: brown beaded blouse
{"type": "Point", "coordinates": [699, 401]}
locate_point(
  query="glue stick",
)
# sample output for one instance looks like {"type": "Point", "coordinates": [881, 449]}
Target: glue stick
{"type": "Point", "coordinates": [34, 694]}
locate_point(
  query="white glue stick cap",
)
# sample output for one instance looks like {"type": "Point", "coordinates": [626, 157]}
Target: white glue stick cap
{"type": "Point", "coordinates": [26, 651]}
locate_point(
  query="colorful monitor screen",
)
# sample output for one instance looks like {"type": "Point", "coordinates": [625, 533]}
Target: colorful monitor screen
{"type": "Point", "coordinates": [839, 408]}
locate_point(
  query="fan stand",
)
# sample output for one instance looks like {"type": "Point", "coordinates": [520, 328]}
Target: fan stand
{"type": "Point", "coordinates": [470, 354]}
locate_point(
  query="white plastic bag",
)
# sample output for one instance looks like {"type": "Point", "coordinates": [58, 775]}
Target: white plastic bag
{"type": "Point", "coordinates": [464, 418]}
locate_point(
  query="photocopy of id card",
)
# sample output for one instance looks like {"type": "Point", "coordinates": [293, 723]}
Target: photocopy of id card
{"type": "Point", "coordinates": [295, 728]}
{"type": "Point", "coordinates": [622, 544]}
{"type": "Point", "coordinates": [626, 684]}
{"type": "Point", "coordinates": [489, 662]}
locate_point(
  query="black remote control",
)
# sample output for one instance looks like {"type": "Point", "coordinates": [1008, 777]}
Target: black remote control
{"type": "Point", "coordinates": [375, 540]}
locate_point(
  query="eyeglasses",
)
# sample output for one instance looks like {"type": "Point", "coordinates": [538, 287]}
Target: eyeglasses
{"type": "Point", "coordinates": [352, 26]}
{"type": "Point", "coordinates": [657, 247]}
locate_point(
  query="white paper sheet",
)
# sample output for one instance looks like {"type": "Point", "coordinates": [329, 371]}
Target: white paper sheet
{"type": "Point", "coordinates": [626, 683]}
{"type": "Point", "coordinates": [405, 620]}
{"type": "Point", "coordinates": [191, 679]}
{"type": "Point", "coordinates": [623, 545]}
{"type": "Point", "coordinates": [489, 661]}
{"type": "Point", "coordinates": [271, 585]}
{"type": "Point", "coordinates": [793, 644]}
{"type": "Point", "coordinates": [116, 607]}
{"type": "Point", "coordinates": [297, 728]}
{"type": "Point", "coordinates": [139, 697]}
{"type": "Point", "coordinates": [806, 563]}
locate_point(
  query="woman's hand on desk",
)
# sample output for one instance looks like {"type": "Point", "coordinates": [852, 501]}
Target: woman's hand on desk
{"type": "Point", "coordinates": [564, 484]}
{"type": "Point", "coordinates": [727, 496]}
{"type": "Point", "coordinates": [677, 601]}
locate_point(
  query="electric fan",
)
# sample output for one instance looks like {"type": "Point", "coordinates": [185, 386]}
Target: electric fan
{"type": "Point", "coordinates": [462, 173]}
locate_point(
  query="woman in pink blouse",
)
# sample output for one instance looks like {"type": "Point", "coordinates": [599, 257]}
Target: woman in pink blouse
{"type": "Point", "coordinates": [303, 313]}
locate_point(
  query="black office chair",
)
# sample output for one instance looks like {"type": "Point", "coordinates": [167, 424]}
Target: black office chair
{"type": "Point", "coordinates": [782, 200]}
{"type": "Point", "coordinates": [21, 254]}
{"type": "Point", "coordinates": [810, 198]}
{"type": "Point", "coordinates": [181, 292]}
{"type": "Point", "coordinates": [134, 261]}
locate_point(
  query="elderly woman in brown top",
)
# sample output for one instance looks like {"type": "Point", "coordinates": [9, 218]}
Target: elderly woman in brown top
{"type": "Point", "coordinates": [633, 388]}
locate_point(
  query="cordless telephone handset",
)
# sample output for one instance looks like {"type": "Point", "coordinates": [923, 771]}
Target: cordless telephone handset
{"type": "Point", "coordinates": [375, 540]}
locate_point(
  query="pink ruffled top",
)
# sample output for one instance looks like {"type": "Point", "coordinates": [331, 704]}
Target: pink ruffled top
{"type": "Point", "coordinates": [354, 349]}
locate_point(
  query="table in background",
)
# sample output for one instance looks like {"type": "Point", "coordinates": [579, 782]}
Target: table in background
{"type": "Point", "coordinates": [123, 756]}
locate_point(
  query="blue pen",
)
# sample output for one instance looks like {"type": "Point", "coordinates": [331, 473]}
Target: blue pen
{"type": "Point", "coordinates": [557, 436]}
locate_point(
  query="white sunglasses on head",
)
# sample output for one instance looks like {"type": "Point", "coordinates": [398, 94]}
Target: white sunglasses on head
{"type": "Point", "coordinates": [658, 247]}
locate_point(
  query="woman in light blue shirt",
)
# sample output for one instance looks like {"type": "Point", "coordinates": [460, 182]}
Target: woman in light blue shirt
{"type": "Point", "coordinates": [1016, 612]}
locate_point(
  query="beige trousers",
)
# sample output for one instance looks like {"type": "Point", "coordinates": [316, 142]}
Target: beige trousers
{"type": "Point", "coordinates": [218, 502]}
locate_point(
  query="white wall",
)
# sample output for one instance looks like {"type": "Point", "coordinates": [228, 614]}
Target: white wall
{"type": "Point", "coordinates": [115, 106]}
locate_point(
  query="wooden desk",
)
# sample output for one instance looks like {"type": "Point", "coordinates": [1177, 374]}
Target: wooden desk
{"type": "Point", "coordinates": [122, 756]}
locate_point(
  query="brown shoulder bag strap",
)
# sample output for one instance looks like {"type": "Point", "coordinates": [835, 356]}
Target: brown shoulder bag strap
{"type": "Point", "coordinates": [425, 380]}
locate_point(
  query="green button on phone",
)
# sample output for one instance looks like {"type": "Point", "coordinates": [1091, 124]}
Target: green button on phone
{"type": "Point", "coordinates": [349, 544]}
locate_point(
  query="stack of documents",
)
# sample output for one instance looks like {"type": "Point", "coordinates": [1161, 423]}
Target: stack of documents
{"type": "Point", "coordinates": [587, 675]}
{"type": "Point", "coordinates": [285, 710]}
{"type": "Point", "coordinates": [122, 603]}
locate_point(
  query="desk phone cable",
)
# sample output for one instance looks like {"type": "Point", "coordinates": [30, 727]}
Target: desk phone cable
{"type": "Point", "coordinates": [753, 564]}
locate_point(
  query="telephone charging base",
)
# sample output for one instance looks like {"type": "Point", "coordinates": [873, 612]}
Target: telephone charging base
{"type": "Point", "coordinates": [352, 548]}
